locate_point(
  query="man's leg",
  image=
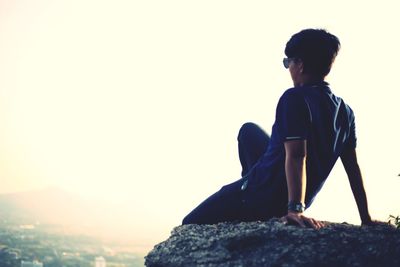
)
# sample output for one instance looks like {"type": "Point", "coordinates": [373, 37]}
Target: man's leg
{"type": "Point", "coordinates": [225, 205]}
{"type": "Point", "coordinates": [252, 142]}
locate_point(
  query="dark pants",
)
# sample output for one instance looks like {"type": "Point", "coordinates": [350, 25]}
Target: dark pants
{"type": "Point", "coordinates": [229, 204]}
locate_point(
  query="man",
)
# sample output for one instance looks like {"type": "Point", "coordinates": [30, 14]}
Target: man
{"type": "Point", "coordinates": [313, 128]}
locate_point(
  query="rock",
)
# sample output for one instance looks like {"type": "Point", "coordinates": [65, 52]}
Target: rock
{"type": "Point", "coordinates": [273, 243]}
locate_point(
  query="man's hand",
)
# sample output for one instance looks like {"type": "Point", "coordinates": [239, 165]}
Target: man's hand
{"type": "Point", "coordinates": [299, 219]}
{"type": "Point", "coordinates": [373, 223]}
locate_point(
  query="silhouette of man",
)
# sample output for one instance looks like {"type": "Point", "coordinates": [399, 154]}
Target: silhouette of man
{"type": "Point", "coordinates": [282, 174]}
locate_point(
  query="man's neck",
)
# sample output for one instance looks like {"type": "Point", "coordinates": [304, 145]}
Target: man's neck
{"type": "Point", "coordinates": [309, 80]}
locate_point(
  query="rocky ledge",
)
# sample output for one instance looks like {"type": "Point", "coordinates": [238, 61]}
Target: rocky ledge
{"type": "Point", "coordinates": [273, 243]}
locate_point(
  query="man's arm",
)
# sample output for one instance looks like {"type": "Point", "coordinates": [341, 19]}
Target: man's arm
{"type": "Point", "coordinates": [350, 163]}
{"type": "Point", "coordinates": [295, 168]}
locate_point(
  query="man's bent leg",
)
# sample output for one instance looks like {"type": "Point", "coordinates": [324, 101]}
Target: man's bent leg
{"type": "Point", "coordinates": [224, 205]}
{"type": "Point", "coordinates": [252, 142]}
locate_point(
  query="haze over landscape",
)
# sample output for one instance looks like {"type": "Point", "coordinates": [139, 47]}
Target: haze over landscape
{"type": "Point", "coordinates": [73, 213]}
{"type": "Point", "coordinates": [121, 116]}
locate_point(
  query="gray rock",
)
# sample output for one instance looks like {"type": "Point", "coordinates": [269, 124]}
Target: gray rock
{"type": "Point", "coordinates": [273, 243]}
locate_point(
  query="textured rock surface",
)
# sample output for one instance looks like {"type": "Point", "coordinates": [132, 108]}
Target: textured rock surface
{"type": "Point", "coordinates": [272, 243]}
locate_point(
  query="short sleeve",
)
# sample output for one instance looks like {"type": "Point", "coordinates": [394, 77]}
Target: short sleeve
{"type": "Point", "coordinates": [352, 139]}
{"type": "Point", "coordinates": [293, 117]}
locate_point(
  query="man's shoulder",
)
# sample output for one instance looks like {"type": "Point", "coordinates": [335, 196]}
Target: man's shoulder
{"type": "Point", "coordinates": [291, 94]}
{"type": "Point", "coordinates": [292, 99]}
{"type": "Point", "coordinates": [346, 106]}
{"type": "Point", "coordinates": [292, 91]}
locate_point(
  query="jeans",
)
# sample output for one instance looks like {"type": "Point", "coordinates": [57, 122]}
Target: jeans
{"type": "Point", "coordinates": [229, 203]}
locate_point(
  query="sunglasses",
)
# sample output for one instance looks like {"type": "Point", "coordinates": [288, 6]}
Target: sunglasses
{"type": "Point", "coordinates": [287, 60]}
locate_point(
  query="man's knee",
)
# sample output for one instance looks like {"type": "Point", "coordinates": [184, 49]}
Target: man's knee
{"type": "Point", "coordinates": [247, 129]}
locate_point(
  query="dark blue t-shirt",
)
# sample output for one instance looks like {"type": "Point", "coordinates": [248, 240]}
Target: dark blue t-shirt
{"type": "Point", "coordinates": [311, 113]}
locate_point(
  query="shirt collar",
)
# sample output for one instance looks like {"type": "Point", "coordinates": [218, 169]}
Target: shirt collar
{"type": "Point", "coordinates": [321, 85]}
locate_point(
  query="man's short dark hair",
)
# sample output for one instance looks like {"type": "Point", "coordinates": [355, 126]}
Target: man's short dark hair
{"type": "Point", "coordinates": [316, 48]}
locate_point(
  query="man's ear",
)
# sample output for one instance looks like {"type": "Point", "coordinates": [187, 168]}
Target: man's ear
{"type": "Point", "coordinates": [301, 66]}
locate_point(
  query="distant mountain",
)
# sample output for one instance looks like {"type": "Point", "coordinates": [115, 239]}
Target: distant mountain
{"type": "Point", "coordinates": [51, 205]}
{"type": "Point", "coordinates": [73, 214]}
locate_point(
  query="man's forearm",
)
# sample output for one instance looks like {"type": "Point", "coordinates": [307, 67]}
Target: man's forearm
{"type": "Point", "coordinates": [357, 186]}
{"type": "Point", "coordinates": [295, 168]}
{"type": "Point", "coordinates": [350, 163]}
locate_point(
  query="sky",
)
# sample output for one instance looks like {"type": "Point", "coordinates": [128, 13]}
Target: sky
{"type": "Point", "coordinates": [139, 102]}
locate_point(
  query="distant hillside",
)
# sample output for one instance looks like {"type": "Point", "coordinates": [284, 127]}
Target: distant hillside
{"type": "Point", "coordinates": [73, 213]}
{"type": "Point", "coordinates": [47, 206]}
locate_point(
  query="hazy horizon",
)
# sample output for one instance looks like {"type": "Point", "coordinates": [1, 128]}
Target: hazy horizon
{"type": "Point", "coordinates": [138, 104]}
{"type": "Point", "coordinates": [74, 214]}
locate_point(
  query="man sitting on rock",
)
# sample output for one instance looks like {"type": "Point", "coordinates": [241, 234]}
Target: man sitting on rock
{"type": "Point", "coordinates": [283, 173]}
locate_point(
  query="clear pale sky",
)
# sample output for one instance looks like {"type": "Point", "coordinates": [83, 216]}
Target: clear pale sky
{"type": "Point", "coordinates": [140, 102]}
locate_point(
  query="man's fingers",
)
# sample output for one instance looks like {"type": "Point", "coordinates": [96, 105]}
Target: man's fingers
{"type": "Point", "coordinates": [292, 220]}
{"type": "Point", "coordinates": [302, 221]}
{"type": "Point", "coordinates": [375, 223]}
{"type": "Point", "coordinates": [318, 224]}
{"type": "Point", "coordinates": [298, 221]}
{"type": "Point", "coordinates": [302, 224]}
{"type": "Point", "coordinates": [310, 222]}
{"type": "Point", "coordinates": [314, 223]}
